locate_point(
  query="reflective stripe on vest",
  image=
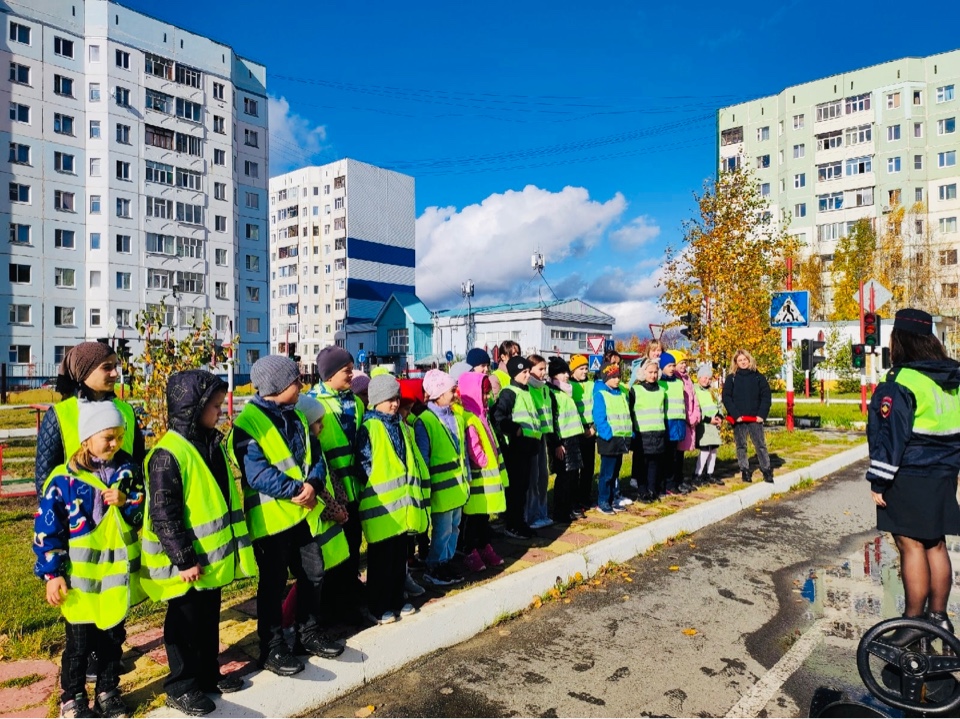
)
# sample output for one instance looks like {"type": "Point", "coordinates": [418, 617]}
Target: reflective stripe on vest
{"type": "Point", "coordinates": [568, 422]}
{"type": "Point", "coordinates": [217, 530]}
{"type": "Point", "coordinates": [648, 409]}
{"type": "Point", "coordinates": [583, 396]}
{"type": "Point", "coordinates": [392, 503]}
{"type": "Point", "coordinates": [525, 413]}
{"type": "Point", "coordinates": [938, 411]}
{"type": "Point", "coordinates": [676, 409]}
{"type": "Point", "coordinates": [618, 413]}
{"type": "Point", "coordinates": [487, 482]}
{"type": "Point", "coordinates": [102, 573]}
{"type": "Point", "coordinates": [708, 403]}
{"type": "Point", "coordinates": [337, 448]}
{"type": "Point", "coordinates": [68, 417]}
{"type": "Point", "coordinates": [541, 401]}
{"type": "Point", "coordinates": [268, 515]}
{"type": "Point", "coordinates": [448, 478]}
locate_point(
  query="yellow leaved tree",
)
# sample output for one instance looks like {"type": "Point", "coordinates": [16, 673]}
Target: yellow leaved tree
{"type": "Point", "coordinates": [732, 258]}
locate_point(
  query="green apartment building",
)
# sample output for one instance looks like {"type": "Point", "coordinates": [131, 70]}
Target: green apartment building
{"type": "Point", "coordinates": [857, 145]}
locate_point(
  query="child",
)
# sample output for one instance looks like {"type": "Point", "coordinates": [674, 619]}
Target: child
{"type": "Point", "coordinates": [392, 502]}
{"type": "Point", "coordinates": [282, 512]}
{"type": "Point", "coordinates": [648, 407]}
{"type": "Point", "coordinates": [191, 487]}
{"type": "Point", "coordinates": [564, 443]}
{"type": "Point", "coordinates": [91, 505]}
{"type": "Point", "coordinates": [516, 418]}
{"type": "Point", "coordinates": [412, 405]}
{"type": "Point", "coordinates": [537, 515]}
{"type": "Point", "coordinates": [358, 385]}
{"type": "Point", "coordinates": [676, 424]}
{"type": "Point", "coordinates": [479, 360]}
{"type": "Point", "coordinates": [506, 350]}
{"type": "Point", "coordinates": [582, 392]}
{"type": "Point", "coordinates": [708, 431]}
{"type": "Point", "coordinates": [692, 414]}
{"type": "Point", "coordinates": [440, 438]}
{"type": "Point", "coordinates": [488, 476]}
{"type": "Point", "coordinates": [654, 350]}
{"type": "Point", "coordinates": [611, 414]}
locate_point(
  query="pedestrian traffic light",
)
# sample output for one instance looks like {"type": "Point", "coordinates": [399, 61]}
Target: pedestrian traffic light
{"type": "Point", "coordinates": [859, 356]}
{"type": "Point", "coordinates": [871, 329]}
{"type": "Point", "coordinates": [123, 350]}
{"type": "Point", "coordinates": [808, 357]}
{"type": "Point", "coordinates": [885, 358]}
{"type": "Point", "coordinates": [692, 329]}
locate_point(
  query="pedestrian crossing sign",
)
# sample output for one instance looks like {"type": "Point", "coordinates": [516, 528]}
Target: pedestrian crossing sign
{"type": "Point", "coordinates": [595, 362]}
{"type": "Point", "coordinates": [790, 309]}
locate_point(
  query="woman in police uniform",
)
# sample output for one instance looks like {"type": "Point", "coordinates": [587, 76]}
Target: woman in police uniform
{"type": "Point", "coordinates": [913, 429]}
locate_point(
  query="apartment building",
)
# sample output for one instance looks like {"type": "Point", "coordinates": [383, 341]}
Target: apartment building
{"type": "Point", "coordinates": [341, 243]}
{"type": "Point", "coordinates": [137, 175]}
{"type": "Point", "coordinates": [858, 145]}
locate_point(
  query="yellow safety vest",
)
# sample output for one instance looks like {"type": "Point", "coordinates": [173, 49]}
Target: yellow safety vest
{"type": "Point", "coordinates": [218, 531]}
{"type": "Point", "coordinates": [449, 488]}
{"type": "Point", "coordinates": [392, 503]}
{"type": "Point", "coordinates": [488, 482]}
{"type": "Point", "coordinates": [583, 396]}
{"type": "Point", "coordinates": [938, 411]}
{"type": "Point", "coordinates": [101, 575]}
{"type": "Point", "coordinates": [568, 422]}
{"type": "Point", "coordinates": [541, 400]}
{"type": "Point", "coordinates": [525, 414]}
{"type": "Point", "coordinates": [503, 377]}
{"type": "Point", "coordinates": [68, 417]}
{"type": "Point", "coordinates": [676, 408]}
{"type": "Point", "coordinates": [649, 409]}
{"type": "Point", "coordinates": [618, 413]}
{"type": "Point", "coordinates": [338, 450]}
{"type": "Point", "coordinates": [707, 401]}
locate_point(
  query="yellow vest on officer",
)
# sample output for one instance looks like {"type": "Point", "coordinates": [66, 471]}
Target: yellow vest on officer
{"type": "Point", "coordinates": [449, 488]}
{"type": "Point", "coordinates": [392, 503]}
{"type": "Point", "coordinates": [676, 408]}
{"type": "Point", "coordinates": [488, 482]}
{"type": "Point", "coordinates": [68, 417]}
{"type": "Point", "coordinates": [101, 575]}
{"type": "Point", "coordinates": [938, 411]}
{"type": "Point", "coordinates": [338, 450]}
{"type": "Point", "coordinates": [649, 409]}
{"type": "Point", "coordinates": [525, 414]}
{"type": "Point", "coordinates": [217, 529]}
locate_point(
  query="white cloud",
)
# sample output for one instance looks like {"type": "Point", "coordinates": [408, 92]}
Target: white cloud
{"type": "Point", "coordinates": [630, 295]}
{"type": "Point", "coordinates": [294, 140]}
{"type": "Point", "coordinates": [491, 242]}
{"type": "Point", "coordinates": [633, 316]}
{"type": "Point", "coordinates": [638, 232]}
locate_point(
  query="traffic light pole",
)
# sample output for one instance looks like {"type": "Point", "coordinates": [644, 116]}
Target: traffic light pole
{"type": "Point", "coordinates": [789, 353]}
{"type": "Point", "coordinates": [863, 370]}
{"type": "Point", "coordinates": [874, 358]}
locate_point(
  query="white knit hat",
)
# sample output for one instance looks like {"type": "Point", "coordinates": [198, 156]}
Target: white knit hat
{"type": "Point", "coordinates": [98, 416]}
{"type": "Point", "coordinates": [311, 408]}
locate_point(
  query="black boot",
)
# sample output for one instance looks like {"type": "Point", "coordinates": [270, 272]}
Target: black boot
{"type": "Point", "coordinates": [905, 636]}
{"type": "Point", "coordinates": [768, 476]}
{"type": "Point", "coordinates": [941, 619]}
{"type": "Point", "coordinates": [745, 476]}
{"type": "Point", "coordinates": [711, 479]}
{"type": "Point", "coordinates": [698, 480]}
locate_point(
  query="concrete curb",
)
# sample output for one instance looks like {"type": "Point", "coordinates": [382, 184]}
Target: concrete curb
{"type": "Point", "coordinates": [378, 651]}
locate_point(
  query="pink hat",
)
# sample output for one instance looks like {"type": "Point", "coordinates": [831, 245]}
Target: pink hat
{"type": "Point", "coordinates": [436, 382]}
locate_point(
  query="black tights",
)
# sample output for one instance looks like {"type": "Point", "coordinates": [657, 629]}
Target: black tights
{"type": "Point", "coordinates": [926, 572]}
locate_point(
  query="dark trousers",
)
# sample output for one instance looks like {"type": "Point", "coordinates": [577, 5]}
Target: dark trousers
{"type": "Point", "coordinates": [564, 488]}
{"type": "Point", "coordinates": [650, 478]}
{"type": "Point", "coordinates": [521, 457]}
{"type": "Point", "coordinates": [82, 640]}
{"type": "Point", "coordinates": [342, 588]}
{"type": "Point", "coordinates": [418, 545]}
{"type": "Point", "coordinates": [584, 489]}
{"type": "Point", "coordinates": [296, 550]}
{"type": "Point", "coordinates": [678, 457]}
{"type": "Point", "coordinates": [191, 635]}
{"type": "Point", "coordinates": [476, 531]}
{"type": "Point", "coordinates": [753, 430]}
{"type": "Point", "coordinates": [386, 574]}
{"type": "Point", "coordinates": [668, 466]}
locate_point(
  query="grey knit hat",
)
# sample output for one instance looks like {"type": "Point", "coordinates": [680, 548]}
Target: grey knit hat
{"type": "Point", "coordinates": [273, 374]}
{"type": "Point", "coordinates": [332, 359]}
{"type": "Point", "coordinates": [311, 408]}
{"type": "Point", "coordinates": [96, 417]}
{"type": "Point", "coordinates": [381, 388]}
{"type": "Point", "coordinates": [705, 370]}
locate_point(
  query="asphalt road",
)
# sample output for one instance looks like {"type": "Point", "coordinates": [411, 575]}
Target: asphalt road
{"type": "Point", "coordinates": [686, 630]}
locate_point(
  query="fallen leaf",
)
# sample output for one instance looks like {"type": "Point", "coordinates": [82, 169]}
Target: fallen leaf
{"type": "Point", "coordinates": [366, 711]}
{"type": "Point", "coordinates": [446, 690]}
{"type": "Point", "coordinates": [504, 632]}
{"type": "Point", "coordinates": [578, 577]}
{"type": "Point", "coordinates": [692, 545]}
{"type": "Point", "coordinates": [674, 568]}
{"type": "Point", "coordinates": [627, 579]}
{"type": "Point", "coordinates": [690, 632]}
{"type": "Point", "coordinates": [566, 601]}
{"type": "Point", "coordinates": [625, 597]}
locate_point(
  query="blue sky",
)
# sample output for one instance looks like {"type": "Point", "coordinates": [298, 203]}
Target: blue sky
{"type": "Point", "coordinates": [579, 129]}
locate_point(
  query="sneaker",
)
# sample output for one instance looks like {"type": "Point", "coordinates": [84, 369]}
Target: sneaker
{"type": "Point", "coordinates": [451, 575]}
{"type": "Point", "coordinates": [515, 533]}
{"type": "Point", "coordinates": [436, 577]}
{"type": "Point", "coordinates": [685, 488]}
{"type": "Point", "coordinates": [633, 483]}
{"type": "Point", "coordinates": [109, 704]}
{"type": "Point", "coordinates": [474, 563]}
{"type": "Point", "coordinates": [387, 618]}
{"type": "Point", "coordinates": [541, 523]}
{"type": "Point", "coordinates": [320, 645]}
{"type": "Point", "coordinates": [281, 662]}
{"type": "Point", "coordinates": [76, 707]}
{"type": "Point", "coordinates": [226, 685]}
{"type": "Point", "coordinates": [411, 588]}
{"type": "Point", "coordinates": [606, 510]}
{"type": "Point", "coordinates": [407, 610]}
{"type": "Point", "coordinates": [193, 703]}
{"type": "Point", "coordinates": [624, 502]}
{"type": "Point", "coordinates": [490, 557]}
{"type": "Point", "coordinates": [618, 510]}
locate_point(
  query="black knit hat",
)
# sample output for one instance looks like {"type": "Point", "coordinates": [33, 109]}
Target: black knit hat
{"type": "Point", "coordinates": [557, 365]}
{"type": "Point", "coordinates": [332, 359]}
{"type": "Point", "coordinates": [916, 322]}
{"type": "Point", "coordinates": [516, 365]}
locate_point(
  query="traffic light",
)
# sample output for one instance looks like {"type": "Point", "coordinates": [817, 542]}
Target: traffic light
{"type": "Point", "coordinates": [808, 357]}
{"type": "Point", "coordinates": [123, 350]}
{"type": "Point", "coordinates": [692, 322]}
{"type": "Point", "coordinates": [871, 329]}
{"type": "Point", "coordinates": [885, 358]}
{"type": "Point", "coordinates": [859, 356]}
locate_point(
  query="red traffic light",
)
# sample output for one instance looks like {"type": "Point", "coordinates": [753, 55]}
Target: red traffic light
{"type": "Point", "coordinates": [871, 329]}
{"type": "Point", "coordinates": [858, 356]}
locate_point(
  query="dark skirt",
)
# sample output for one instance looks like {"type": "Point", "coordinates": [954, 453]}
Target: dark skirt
{"type": "Point", "coordinates": [921, 505]}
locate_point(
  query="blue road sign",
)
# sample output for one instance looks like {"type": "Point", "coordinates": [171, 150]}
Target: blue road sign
{"type": "Point", "coordinates": [362, 356]}
{"type": "Point", "coordinates": [449, 356]}
{"type": "Point", "coordinates": [609, 346]}
{"type": "Point", "coordinates": [595, 362]}
{"type": "Point", "coordinates": [790, 309]}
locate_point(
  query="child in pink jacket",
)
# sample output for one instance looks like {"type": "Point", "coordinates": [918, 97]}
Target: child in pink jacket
{"type": "Point", "coordinates": [689, 442]}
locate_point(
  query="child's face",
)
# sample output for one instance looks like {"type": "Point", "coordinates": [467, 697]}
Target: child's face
{"type": "Point", "coordinates": [580, 373]}
{"type": "Point", "coordinates": [482, 369]}
{"type": "Point", "coordinates": [539, 370]}
{"type": "Point", "coordinates": [342, 379]}
{"type": "Point", "coordinates": [210, 414]}
{"type": "Point", "coordinates": [290, 394]}
{"type": "Point", "coordinates": [703, 381]}
{"type": "Point", "coordinates": [316, 427]}
{"type": "Point", "coordinates": [106, 443]}
{"type": "Point", "coordinates": [651, 373]}
{"type": "Point", "coordinates": [522, 377]}
{"type": "Point", "coordinates": [390, 406]}
{"type": "Point", "coordinates": [669, 370]}
{"type": "Point", "coordinates": [487, 397]}
{"type": "Point", "coordinates": [446, 398]}
{"type": "Point", "coordinates": [682, 366]}
{"type": "Point", "coordinates": [613, 382]}
{"type": "Point", "coordinates": [562, 377]}
{"type": "Point", "coordinates": [654, 352]}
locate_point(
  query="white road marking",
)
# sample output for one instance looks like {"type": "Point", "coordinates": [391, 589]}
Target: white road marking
{"type": "Point", "coordinates": [753, 702]}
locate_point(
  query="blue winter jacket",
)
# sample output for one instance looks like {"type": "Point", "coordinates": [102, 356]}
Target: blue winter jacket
{"type": "Point", "coordinates": [607, 444]}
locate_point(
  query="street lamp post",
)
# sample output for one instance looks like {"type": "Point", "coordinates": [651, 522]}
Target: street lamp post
{"type": "Point", "coordinates": [466, 290]}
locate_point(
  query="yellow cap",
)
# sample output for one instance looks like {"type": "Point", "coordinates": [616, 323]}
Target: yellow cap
{"type": "Point", "coordinates": [577, 361]}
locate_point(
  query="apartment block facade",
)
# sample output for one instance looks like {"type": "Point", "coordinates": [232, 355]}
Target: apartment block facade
{"type": "Point", "coordinates": [342, 241]}
{"type": "Point", "coordinates": [860, 145]}
{"type": "Point", "coordinates": [137, 175]}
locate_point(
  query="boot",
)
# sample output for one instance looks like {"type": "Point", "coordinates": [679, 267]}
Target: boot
{"type": "Point", "coordinates": [698, 480]}
{"type": "Point", "coordinates": [768, 476]}
{"type": "Point", "coordinates": [745, 476]}
{"type": "Point", "coordinates": [942, 620]}
{"type": "Point", "coordinates": [905, 636]}
{"type": "Point", "coordinates": [711, 479]}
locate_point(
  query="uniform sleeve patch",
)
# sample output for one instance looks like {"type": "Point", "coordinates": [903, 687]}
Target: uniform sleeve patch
{"type": "Point", "coordinates": [886, 406]}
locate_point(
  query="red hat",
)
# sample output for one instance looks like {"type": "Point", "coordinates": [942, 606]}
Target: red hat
{"type": "Point", "coordinates": [412, 389]}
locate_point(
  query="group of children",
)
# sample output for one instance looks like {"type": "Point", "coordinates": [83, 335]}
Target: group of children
{"type": "Point", "coordinates": [415, 468]}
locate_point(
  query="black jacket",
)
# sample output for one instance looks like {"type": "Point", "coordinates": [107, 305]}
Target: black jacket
{"type": "Point", "coordinates": [894, 447]}
{"type": "Point", "coordinates": [503, 411]}
{"type": "Point", "coordinates": [648, 443]}
{"type": "Point", "coordinates": [187, 393]}
{"type": "Point", "coordinates": [746, 393]}
{"type": "Point", "coordinates": [573, 458]}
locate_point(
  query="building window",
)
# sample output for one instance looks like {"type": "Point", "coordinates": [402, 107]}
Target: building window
{"type": "Point", "coordinates": [123, 170]}
{"type": "Point", "coordinates": [190, 282]}
{"type": "Point", "coordinates": [160, 207]}
{"type": "Point", "coordinates": [858, 135]}
{"type": "Point", "coordinates": [829, 171]}
{"type": "Point", "coordinates": [893, 100]}
{"type": "Point", "coordinates": [158, 172]}
{"type": "Point", "coordinates": [945, 93]}
{"type": "Point", "coordinates": [338, 201]}
{"type": "Point", "coordinates": [918, 194]}
{"type": "Point", "coordinates": [94, 53]}
{"type": "Point", "coordinates": [765, 189]}
{"type": "Point", "coordinates": [189, 179]}
{"type": "Point", "coordinates": [250, 107]}
{"type": "Point", "coordinates": [95, 317]}
{"type": "Point", "coordinates": [63, 86]}
{"type": "Point", "coordinates": [253, 294]}
{"type": "Point", "coordinates": [158, 279]}
{"type": "Point", "coordinates": [19, 33]}
{"type": "Point", "coordinates": [20, 113]}
{"type": "Point", "coordinates": [94, 129]}
{"type": "Point", "coordinates": [858, 103]}
{"type": "Point", "coordinates": [948, 290]}
{"type": "Point", "coordinates": [62, 124]}
{"type": "Point", "coordinates": [188, 76]}
{"type": "Point", "coordinates": [19, 74]}
{"type": "Point", "coordinates": [829, 110]}
{"type": "Point", "coordinates": [156, 136]}
{"type": "Point", "coordinates": [339, 223]}
{"type": "Point", "coordinates": [397, 341]}
{"type": "Point", "coordinates": [19, 193]}
{"type": "Point", "coordinates": [218, 125]}
{"type": "Point", "coordinates": [220, 157]}
{"type": "Point", "coordinates": [158, 244]}
{"type": "Point", "coordinates": [159, 101]}
{"type": "Point", "coordinates": [218, 91]}
{"type": "Point", "coordinates": [123, 281]}
{"type": "Point", "coordinates": [62, 47]}
{"type": "Point", "coordinates": [189, 144]}
{"type": "Point", "coordinates": [918, 129]}
{"type": "Point", "coordinates": [122, 96]}
{"type": "Point", "coordinates": [20, 154]}
{"type": "Point", "coordinates": [918, 162]}
{"type": "Point", "coordinates": [800, 209]}
{"type": "Point", "coordinates": [63, 162]}
{"type": "Point", "coordinates": [191, 111]}
{"type": "Point", "coordinates": [190, 247]}
{"type": "Point", "coordinates": [220, 190]}
{"type": "Point", "coordinates": [252, 263]}
{"type": "Point", "coordinates": [220, 223]}
{"type": "Point", "coordinates": [123, 244]}
{"type": "Point", "coordinates": [763, 133]}
{"type": "Point", "coordinates": [19, 233]}
{"type": "Point", "coordinates": [893, 164]}
{"type": "Point", "coordinates": [917, 97]}
{"type": "Point", "coordinates": [731, 136]}
{"type": "Point", "coordinates": [94, 204]}
{"type": "Point", "coordinates": [947, 126]}
{"type": "Point", "coordinates": [893, 133]}
{"type": "Point", "coordinates": [65, 277]}
{"type": "Point", "coordinates": [251, 169]}
{"type": "Point", "coordinates": [63, 201]}
{"type": "Point", "coordinates": [64, 316]}
{"type": "Point", "coordinates": [893, 197]}
{"type": "Point", "coordinates": [251, 138]}
{"type": "Point", "coordinates": [862, 197]}
{"type": "Point", "coordinates": [948, 192]}
{"type": "Point", "coordinates": [253, 200]}
{"type": "Point", "coordinates": [947, 159]}
{"type": "Point", "coordinates": [123, 134]}
{"type": "Point", "coordinates": [253, 231]}
{"type": "Point", "coordinates": [859, 165]}
{"type": "Point", "coordinates": [123, 207]}
{"type": "Point", "coordinates": [948, 224]}
{"type": "Point", "coordinates": [158, 66]}
{"type": "Point", "coordinates": [189, 214]}
{"type": "Point", "coordinates": [94, 240]}
{"type": "Point", "coordinates": [948, 257]}
{"type": "Point", "coordinates": [94, 92]}
{"type": "Point", "coordinates": [220, 257]}
{"type": "Point", "coordinates": [123, 59]}
{"type": "Point", "coordinates": [798, 151]}
{"type": "Point", "coordinates": [19, 274]}
{"type": "Point", "coordinates": [64, 239]}
{"type": "Point", "coordinates": [220, 290]}
{"type": "Point", "coordinates": [798, 122]}
{"type": "Point", "coordinates": [20, 314]}
{"type": "Point", "coordinates": [253, 324]}
{"type": "Point", "coordinates": [123, 318]}
{"type": "Point", "coordinates": [20, 354]}
{"type": "Point", "coordinates": [830, 140]}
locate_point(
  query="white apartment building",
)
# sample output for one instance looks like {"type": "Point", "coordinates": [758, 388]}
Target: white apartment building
{"type": "Point", "coordinates": [341, 243]}
{"type": "Point", "coordinates": [857, 145]}
{"type": "Point", "coordinates": [137, 174]}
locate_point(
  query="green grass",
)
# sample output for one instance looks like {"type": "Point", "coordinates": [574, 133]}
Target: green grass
{"type": "Point", "coordinates": [21, 682]}
{"type": "Point", "coordinates": [18, 419]}
{"type": "Point", "coordinates": [831, 415]}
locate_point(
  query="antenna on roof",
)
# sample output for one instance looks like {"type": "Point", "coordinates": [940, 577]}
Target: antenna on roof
{"type": "Point", "coordinates": [538, 263]}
